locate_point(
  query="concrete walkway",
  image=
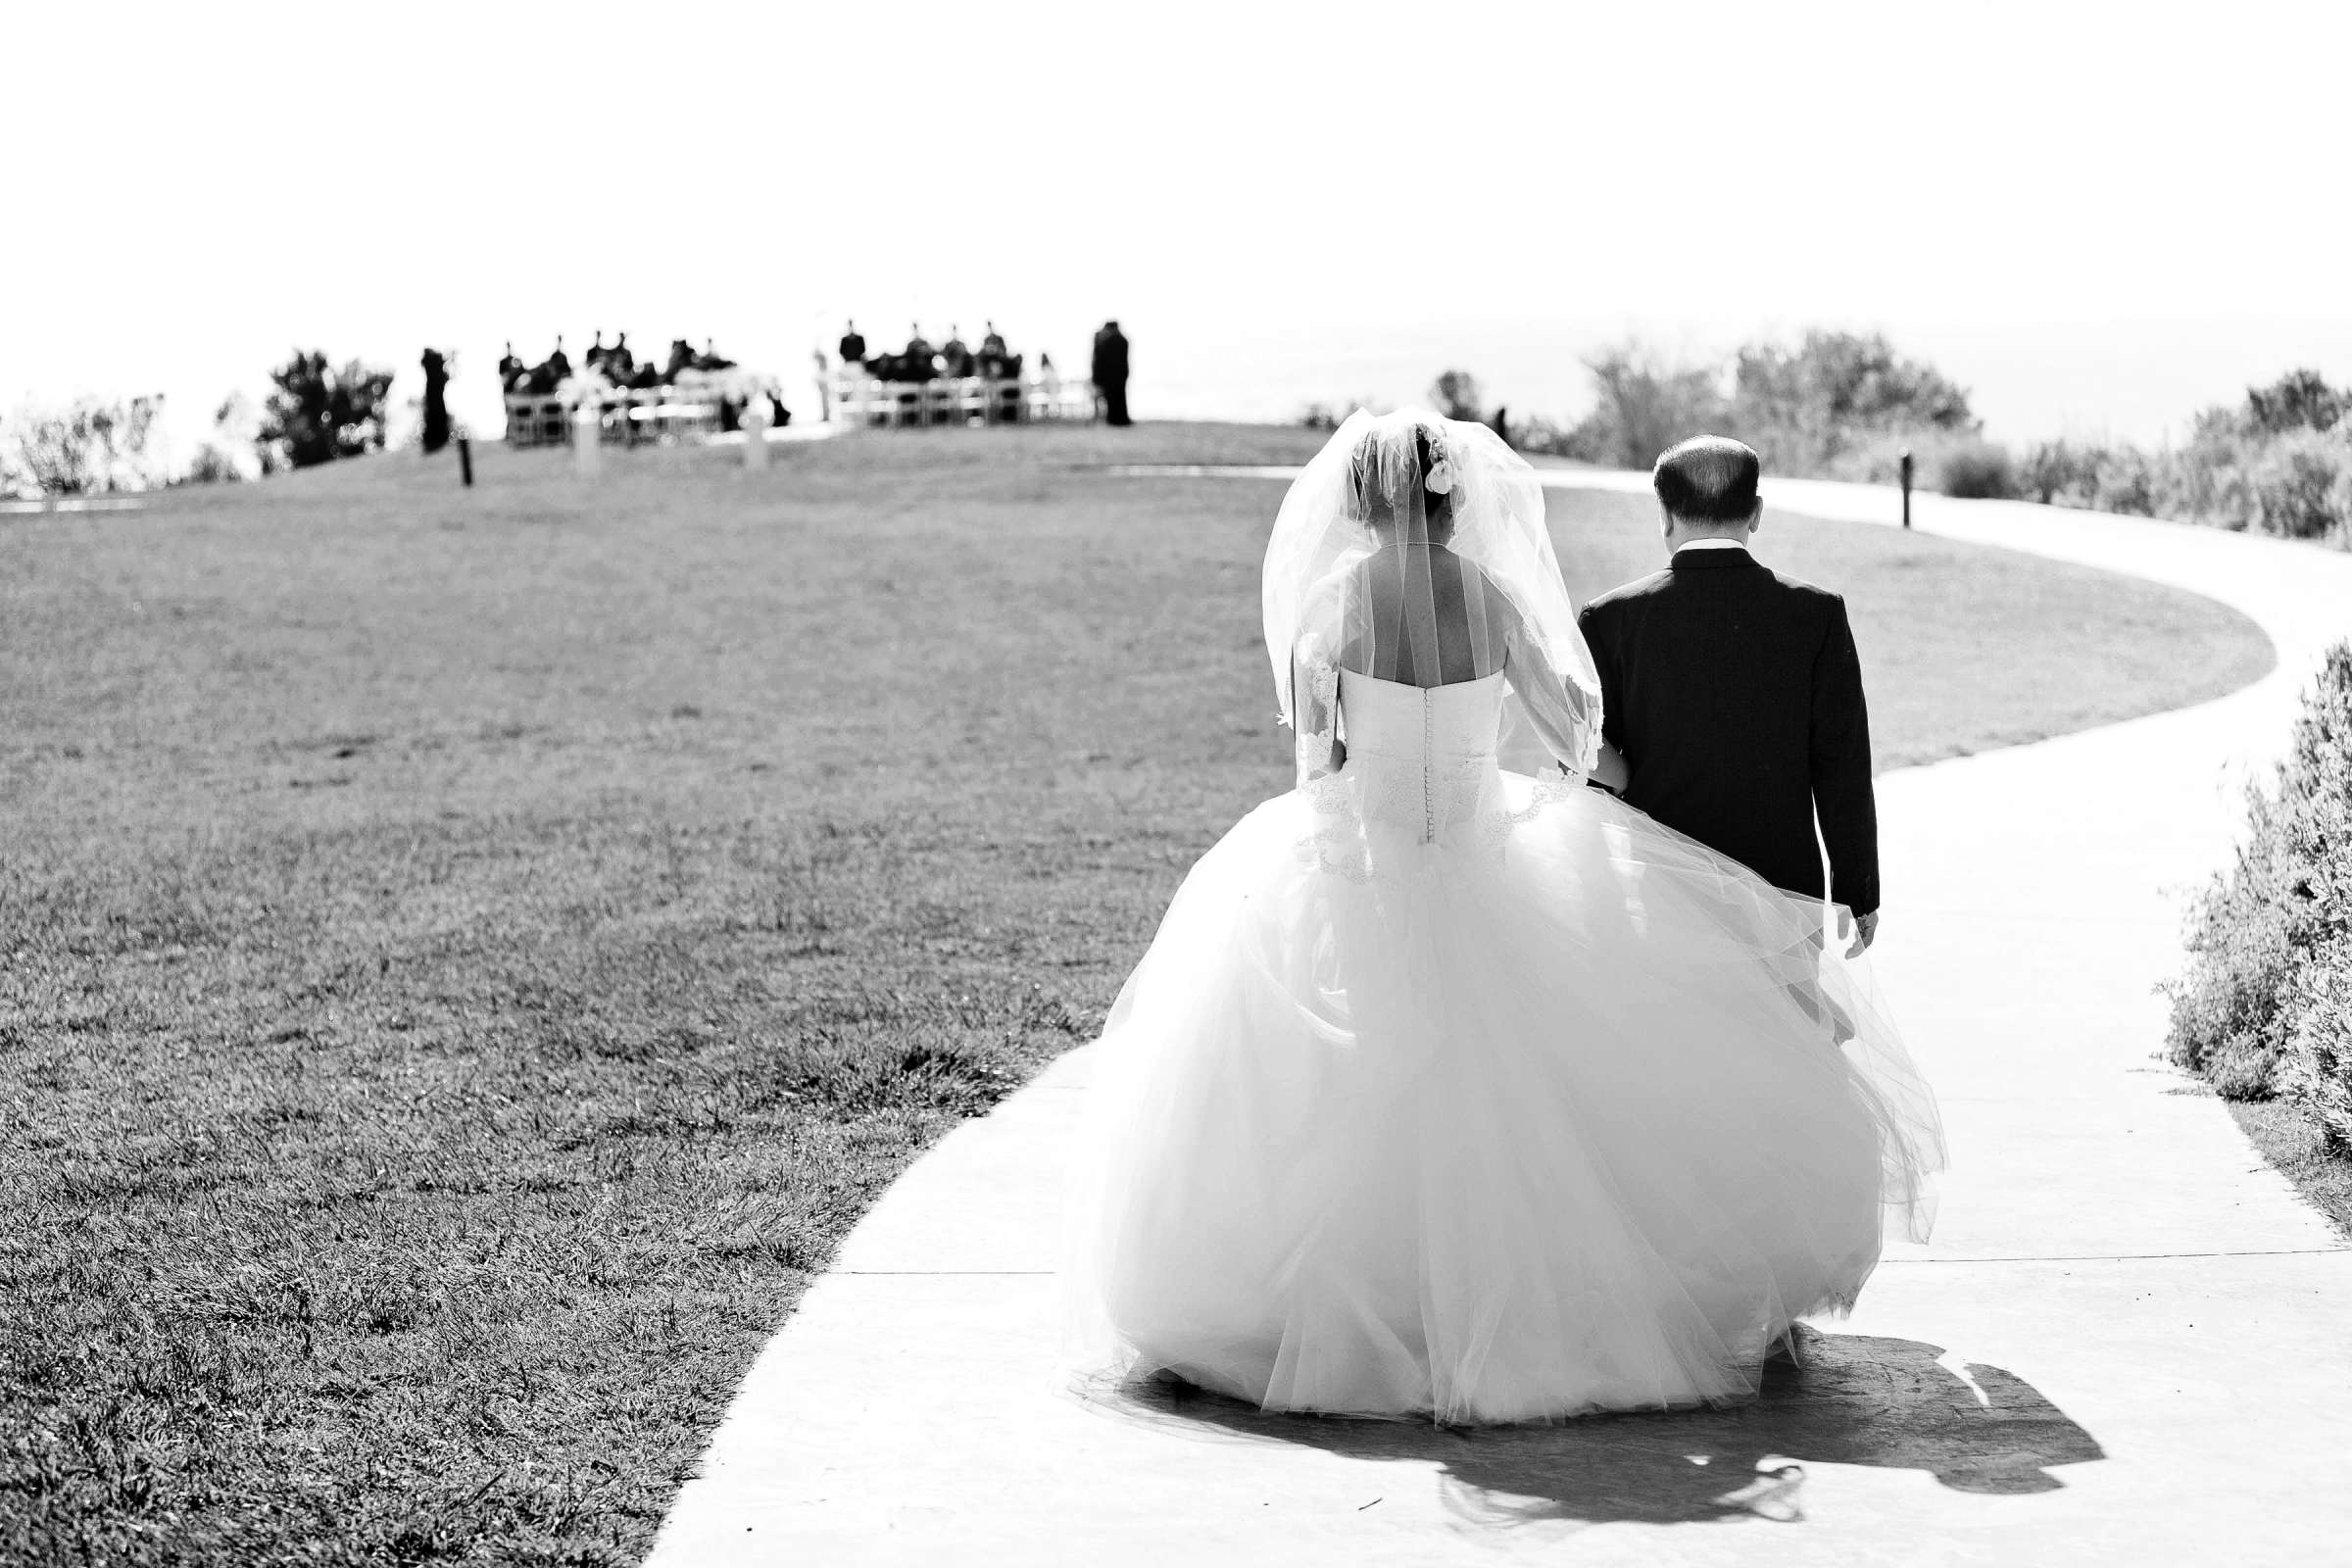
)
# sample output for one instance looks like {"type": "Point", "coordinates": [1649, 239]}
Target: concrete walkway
{"type": "Point", "coordinates": [2128, 1344]}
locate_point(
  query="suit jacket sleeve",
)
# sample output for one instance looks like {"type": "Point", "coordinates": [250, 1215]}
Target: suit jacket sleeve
{"type": "Point", "coordinates": [1605, 659]}
{"type": "Point", "coordinates": [1842, 796]}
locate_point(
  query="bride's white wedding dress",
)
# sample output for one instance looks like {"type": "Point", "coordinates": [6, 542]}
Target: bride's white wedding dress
{"type": "Point", "coordinates": [1443, 1090]}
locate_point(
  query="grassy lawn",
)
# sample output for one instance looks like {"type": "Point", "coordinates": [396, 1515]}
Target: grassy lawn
{"type": "Point", "coordinates": [465, 956]}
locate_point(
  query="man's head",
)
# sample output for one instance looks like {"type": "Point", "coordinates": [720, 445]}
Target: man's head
{"type": "Point", "coordinates": [1707, 490]}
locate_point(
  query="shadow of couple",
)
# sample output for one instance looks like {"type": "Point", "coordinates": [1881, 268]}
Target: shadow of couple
{"type": "Point", "coordinates": [1856, 1400]}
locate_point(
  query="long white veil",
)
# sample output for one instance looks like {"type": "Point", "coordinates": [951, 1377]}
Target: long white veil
{"type": "Point", "coordinates": [1385, 551]}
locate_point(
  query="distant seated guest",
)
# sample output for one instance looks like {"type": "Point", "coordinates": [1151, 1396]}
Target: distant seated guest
{"type": "Point", "coordinates": [778, 415]}
{"type": "Point", "coordinates": [510, 371]}
{"type": "Point", "coordinates": [917, 357]}
{"type": "Point", "coordinates": [681, 358]}
{"type": "Point", "coordinates": [852, 348]}
{"type": "Point", "coordinates": [595, 357]}
{"type": "Point", "coordinates": [955, 360]}
{"type": "Point", "coordinates": [620, 363]}
{"type": "Point", "coordinates": [711, 359]}
{"type": "Point", "coordinates": [994, 363]}
{"type": "Point", "coordinates": [551, 372]}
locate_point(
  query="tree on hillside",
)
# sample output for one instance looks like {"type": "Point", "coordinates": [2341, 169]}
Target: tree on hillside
{"type": "Point", "coordinates": [86, 447]}
{"type": "Point", "coordinates": [1805, 407]}
{"type": "Point", "coordinates": [1644, 403]}
{"type": "Point", "coordinates": [1455, 394]}
{"type": "Point", "coordinates": [317, 414]}
{"type": "Point", "coordinates": [2299, 399]}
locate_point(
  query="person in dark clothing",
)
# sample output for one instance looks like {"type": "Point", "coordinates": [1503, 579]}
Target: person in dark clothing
{"type": "Point", "coordinates": [554, 370]}
{"type": "Point", "coordinates": [620, 362]}
{"type": "Point", "coordinates": [955, 360]}
{"type": "Point", "coordinates": [436, 400]}
{"type": "Point", "coordinates": [550, 372]}
{"type": "Point", "coordinates": [1110, 372]}
{"type": "Point", "coordinates": [510, 371]}
{"type": "Point", "coordinates": [915, 359]}
{"type": "Point", "coordinates": [594, 359]}
{"type": "Point", "coordinates": [852, 347]}
{"type": "Point", "coordinates": [1735, 694]}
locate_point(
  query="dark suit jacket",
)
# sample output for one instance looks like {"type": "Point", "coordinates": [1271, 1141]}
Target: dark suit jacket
{"type": "Point", "coordinates": [1111, 358]}
{"type": "Point", "coordinates": [1736, 695]}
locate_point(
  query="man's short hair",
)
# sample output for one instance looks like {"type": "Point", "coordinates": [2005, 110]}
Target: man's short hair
{"type": "Point", "coordinates": [1709, 479]}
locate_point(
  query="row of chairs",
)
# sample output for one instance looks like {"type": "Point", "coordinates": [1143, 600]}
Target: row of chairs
{"type": "Point", "coordinates": [862, 400]}
{"type": "Point", "coordinates": [639, 415]}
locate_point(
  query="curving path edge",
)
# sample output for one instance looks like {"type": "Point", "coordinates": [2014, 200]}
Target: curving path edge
{"type": "Point", "coordinates": [2125, 1345]}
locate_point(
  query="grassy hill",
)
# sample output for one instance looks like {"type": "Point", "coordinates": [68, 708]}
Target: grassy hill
{"type": "Point", "coordinates": [465, 955]}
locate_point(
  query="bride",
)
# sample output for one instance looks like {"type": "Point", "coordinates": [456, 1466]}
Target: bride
{"type": "Point", "coordinates": [1447, 1091]}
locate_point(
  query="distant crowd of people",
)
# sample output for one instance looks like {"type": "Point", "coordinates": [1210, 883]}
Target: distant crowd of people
{"type": "Point", "coordinates": [955, 360]}
{"type": "Point", "coordinates": [615, 363]}
{"type": "Point", "coordinates": [952, 361]}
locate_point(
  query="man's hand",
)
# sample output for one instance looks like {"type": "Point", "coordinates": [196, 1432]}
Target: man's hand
{"type": "Point", "coordinates": [1865, 931]}
{"type": "Point", "coordinates": [1610, 772]}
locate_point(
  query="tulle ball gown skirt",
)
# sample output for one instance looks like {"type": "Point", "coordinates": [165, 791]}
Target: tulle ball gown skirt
{"type": "Point", "coordinates": [1508, 1108]}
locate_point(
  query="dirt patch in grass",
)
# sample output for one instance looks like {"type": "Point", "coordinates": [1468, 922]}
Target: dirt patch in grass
{"type": "Point", "coordinates": [466, 956]}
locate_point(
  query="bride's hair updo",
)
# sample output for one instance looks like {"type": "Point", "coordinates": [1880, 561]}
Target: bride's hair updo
{"type": "Point", "coordinates": [1385, 484]}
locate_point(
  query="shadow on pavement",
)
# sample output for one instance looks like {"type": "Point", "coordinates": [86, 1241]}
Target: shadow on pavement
{"type": "Point", "coordinates": [1858, 1400]}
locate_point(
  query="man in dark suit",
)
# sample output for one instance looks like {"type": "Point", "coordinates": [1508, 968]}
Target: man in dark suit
{"type": "Point", "coordinates": [1110, 372]}
{"type": "Point", "coordinates": [1735, 694]}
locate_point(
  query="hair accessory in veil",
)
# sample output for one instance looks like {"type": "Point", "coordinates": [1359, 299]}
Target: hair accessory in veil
{"type": "Point", "coordinates": [1413, 547]}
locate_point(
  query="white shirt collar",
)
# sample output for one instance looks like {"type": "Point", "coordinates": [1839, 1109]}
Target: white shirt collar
{"type": "Point", "coordinates": [1710, 544]}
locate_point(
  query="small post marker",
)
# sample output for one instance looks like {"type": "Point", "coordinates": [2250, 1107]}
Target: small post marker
{"type": "Point", "coordinates": [1904, 468]}
{"type": "Point", "coordinates": [466, 460]}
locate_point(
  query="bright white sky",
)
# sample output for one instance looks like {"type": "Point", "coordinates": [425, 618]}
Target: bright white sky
{"type": "Point", "coordinates": [2098, 217]}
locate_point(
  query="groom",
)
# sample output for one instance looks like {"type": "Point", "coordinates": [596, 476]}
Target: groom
{"type": "Point", "coordinates": [1735, 694]}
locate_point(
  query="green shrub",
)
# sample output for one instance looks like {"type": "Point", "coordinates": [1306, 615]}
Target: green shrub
{"type": "Point", "coordinates": [2315, 1071]}
{"type": "Point", "coordinates": [1976, 470]}
{"type": "Point", "coordinates": [2266, 1006]}
{"type": "Point", "coordinates": [2299, 479]}
{"type": "Point", "coordinates": [2060, 473]}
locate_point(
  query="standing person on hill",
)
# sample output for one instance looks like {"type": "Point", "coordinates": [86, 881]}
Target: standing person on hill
{"type": "Point", "coordinates": [436, 399]}
{"type": "Point", "coordinates": [1735, 694]}
{"type": "Point", "coordinates": [1110, 372]}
